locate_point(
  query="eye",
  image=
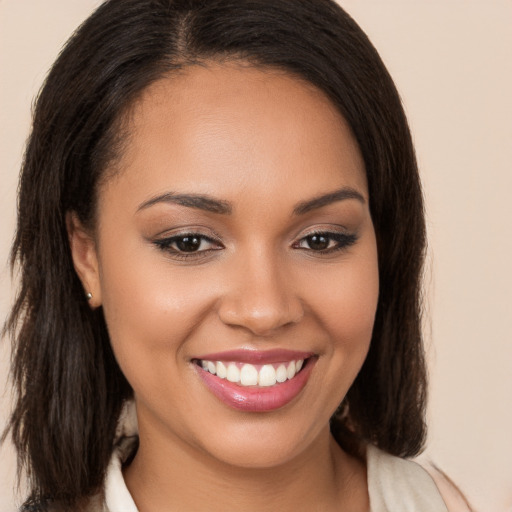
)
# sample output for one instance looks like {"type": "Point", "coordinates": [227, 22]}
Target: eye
{"type": "Point", "coordinates": [326, 242]}
{"type": "Point", "coordinates": [187, 244]}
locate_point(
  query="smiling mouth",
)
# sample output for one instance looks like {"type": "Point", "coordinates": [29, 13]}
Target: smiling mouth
{"type": "Point", "coordinates": [257, 375]}
{"type": "Point", "coordinates": [256, 381]}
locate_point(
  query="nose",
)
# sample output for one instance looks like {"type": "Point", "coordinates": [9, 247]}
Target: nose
{"type": "Point", "coordinates": [260, 297]}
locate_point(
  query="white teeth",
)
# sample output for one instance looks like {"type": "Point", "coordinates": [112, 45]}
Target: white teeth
{"type": "Point", "coordinates": [248, 374]}
{"type": "Point", "coordinates": [267, 376]}
{"type": "Point", "coordinates": [222, 371]}
{"type": "Point", "coordinates": [233, 373]}
{"type": "Point", "coordinates": [281, 373]}
{"type": "Point", "coordinates": [290, 372]}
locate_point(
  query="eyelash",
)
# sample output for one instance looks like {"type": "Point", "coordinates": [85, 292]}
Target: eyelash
{"type": "Point", "coordinates": [165, 244]}
{"type": "Point", "coordinates": [342, 242]}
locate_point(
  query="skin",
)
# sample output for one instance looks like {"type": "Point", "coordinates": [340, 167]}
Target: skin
{"type": "Point", "coordinates": [263, 142]}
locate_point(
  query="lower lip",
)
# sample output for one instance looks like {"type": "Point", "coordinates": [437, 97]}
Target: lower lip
{"type": "Point", "coordinates": [257, 399]}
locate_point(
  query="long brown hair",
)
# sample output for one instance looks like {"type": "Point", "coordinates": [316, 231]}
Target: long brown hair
{"type": "Point", "coordinates": [69, 387]}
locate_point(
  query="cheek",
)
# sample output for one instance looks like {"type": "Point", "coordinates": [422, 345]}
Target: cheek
{"type": "Point", "coordinates": [345, 301]}
{"type": "Point", "coordinates": [348, 309]}
{"type": "Point", "coordinates": [150, 310]}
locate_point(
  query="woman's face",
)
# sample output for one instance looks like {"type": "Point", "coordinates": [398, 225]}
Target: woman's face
{"type": "Point", "coordinates": [235, 235]}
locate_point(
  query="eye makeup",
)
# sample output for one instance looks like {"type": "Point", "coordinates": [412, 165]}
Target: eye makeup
{"type": "Point", "coordinates": [326, 242]}
{"type": "Point", "coordinates": [189, 245]}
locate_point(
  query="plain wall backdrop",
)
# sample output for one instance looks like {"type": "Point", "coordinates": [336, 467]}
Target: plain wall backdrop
{"type": "Point", "coordinates": [452, 63]}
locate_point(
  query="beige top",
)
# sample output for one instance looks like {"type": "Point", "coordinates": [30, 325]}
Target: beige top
{"type": "Point", "coordinates": [394, 485]}
{"type": "Point", "coordinates": [399, 485]}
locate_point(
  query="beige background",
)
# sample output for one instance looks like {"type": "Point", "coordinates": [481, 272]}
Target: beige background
{"type": "Point", "coordinates": [451, 60]}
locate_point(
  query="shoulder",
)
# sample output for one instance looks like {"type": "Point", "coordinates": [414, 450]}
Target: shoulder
{"type": "Point", "coordinates": [417, 483]}
{"type": "Point", "coordinates": [400, 485]}
{"type": "Point", "coordinates": [93, 503]}
{"type": "Point", "coordinates": [452, 495]}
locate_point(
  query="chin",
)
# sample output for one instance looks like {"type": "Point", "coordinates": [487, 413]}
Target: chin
{"type": "Point", "coordinates": [265, 443]}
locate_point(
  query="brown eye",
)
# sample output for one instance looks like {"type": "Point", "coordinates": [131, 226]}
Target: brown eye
{"type": "Point", "coordinates": [318, 242]}
{"type": "Point", "coordinates": [188, 243]}
{"type": "Point", "coordinates": [325, 243]}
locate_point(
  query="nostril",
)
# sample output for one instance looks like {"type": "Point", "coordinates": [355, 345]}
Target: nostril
{"type": "Point", "coordinates": [263, 319]}
{"type": "Point", "coordinates": [260, 295]}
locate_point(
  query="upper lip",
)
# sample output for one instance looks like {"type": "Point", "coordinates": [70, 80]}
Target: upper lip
{"type": "Point", "coordinates": [256, 356]}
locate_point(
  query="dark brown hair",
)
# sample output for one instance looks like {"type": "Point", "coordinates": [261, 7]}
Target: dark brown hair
{"type": "Point", "coordinates": [69, 387]}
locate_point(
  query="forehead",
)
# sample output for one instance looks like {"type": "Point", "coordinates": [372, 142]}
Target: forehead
{"type": "Point", "coordinates": [223, 128]}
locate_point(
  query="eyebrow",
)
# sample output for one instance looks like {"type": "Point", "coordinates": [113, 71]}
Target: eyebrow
{"type": "Point", "coordinates": [326, 199]}
{"type": "Point", "coordinates": [202, 202]}
{"type": "Point", "coordinates": [209, 204]}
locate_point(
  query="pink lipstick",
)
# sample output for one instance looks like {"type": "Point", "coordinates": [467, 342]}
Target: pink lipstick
{"type": "Point", "coordinates": [255, 381]}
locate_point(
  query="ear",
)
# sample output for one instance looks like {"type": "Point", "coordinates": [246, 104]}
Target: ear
{"type": "Point", "coordinates": [85, 259]}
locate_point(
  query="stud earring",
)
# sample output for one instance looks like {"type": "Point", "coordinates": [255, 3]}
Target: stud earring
{"type": "Point", "coordinates": [89, 295]}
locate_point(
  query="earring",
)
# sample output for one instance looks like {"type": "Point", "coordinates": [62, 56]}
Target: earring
{"type": "Point", "coordinates": [89, 295]}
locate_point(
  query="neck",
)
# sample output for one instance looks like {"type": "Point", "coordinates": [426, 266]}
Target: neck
{"type": "Point", "coordinates": [322, 477]}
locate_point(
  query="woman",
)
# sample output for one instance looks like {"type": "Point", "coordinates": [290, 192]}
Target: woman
{"type": "Point", "coordinates": [221, 222]}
